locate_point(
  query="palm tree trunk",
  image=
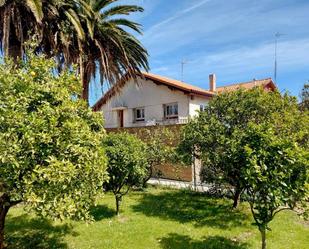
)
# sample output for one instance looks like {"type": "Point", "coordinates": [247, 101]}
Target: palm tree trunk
{"type": "Point", "coordinates": [15, 51]}
{"type": "Point", "coordinates": [83, 78]}
{"type": "Point", "coordinates": [85, 92]}
{"type": "Point", "coordinates": [6, 31]}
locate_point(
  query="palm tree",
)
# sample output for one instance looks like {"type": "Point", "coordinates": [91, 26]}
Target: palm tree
{"type": "Point", "coordinates": [108, 47]}
{"type": "Point", "coordinates": [18, 20]}
{"type": "Point", "coordinates": [84, 32]}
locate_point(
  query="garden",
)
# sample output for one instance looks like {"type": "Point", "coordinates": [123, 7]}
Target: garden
{"type": "Point", "coordinates": [67, 183]}
{"type": "Point", "coordinates": [158, 218]}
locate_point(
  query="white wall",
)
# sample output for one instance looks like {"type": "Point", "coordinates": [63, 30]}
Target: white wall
{"type": "Point", "coordinates": [150, 96]}
{"type": "Point", "coordinates": [194, 105]}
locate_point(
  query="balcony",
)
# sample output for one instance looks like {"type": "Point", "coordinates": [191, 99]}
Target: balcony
{"type": "Point", "coordinates": [153, 122]}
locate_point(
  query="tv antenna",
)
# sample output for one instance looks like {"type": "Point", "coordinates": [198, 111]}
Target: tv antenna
{"type": "Point", "coordinates": [277, 36]}
{"type": "Point", "coordinates": [183, 63]}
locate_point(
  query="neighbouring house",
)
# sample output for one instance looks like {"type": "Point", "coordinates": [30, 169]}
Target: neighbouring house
{"type": "Point", "coordinates": [156, 100]}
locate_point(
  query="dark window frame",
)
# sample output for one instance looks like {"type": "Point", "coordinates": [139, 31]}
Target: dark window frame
{"type": "Point", "coordinates": [171, 110]}
{"type": "Point", "coordinates": [142, 114]}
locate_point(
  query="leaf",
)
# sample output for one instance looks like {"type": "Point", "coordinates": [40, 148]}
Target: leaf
{"type": "Point", "coordinates": [36, 8]}
{"type": "Point", "coordinates": [73, 17]}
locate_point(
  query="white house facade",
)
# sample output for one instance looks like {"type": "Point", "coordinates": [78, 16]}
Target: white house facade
{"type": "Point", "coordinates": [155, 100]}
{"type": "Point", "coordinates": [147, 101]}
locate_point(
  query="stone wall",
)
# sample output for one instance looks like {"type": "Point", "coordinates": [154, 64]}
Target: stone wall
{"type": "Point", "coordinates": [168, 171]}
{"type": "Point", "coordinates": [142, 132]}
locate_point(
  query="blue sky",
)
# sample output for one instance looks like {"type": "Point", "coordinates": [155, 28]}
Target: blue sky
{"type": "Point", "coordinates": [232, 38]}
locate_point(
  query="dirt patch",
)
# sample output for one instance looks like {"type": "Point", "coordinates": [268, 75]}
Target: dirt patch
{"type": "Point", "coordinates": [123, 219]}
{"type": "Point", "coordinates": [242, 237]}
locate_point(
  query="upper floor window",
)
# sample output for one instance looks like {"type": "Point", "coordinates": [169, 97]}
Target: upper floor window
{"type": "Point", "coordinates": [203, 107]}
{"type": "Point", "coordinates": [170, 110]}
{"type": "Point", "coordinates": [139, 114]}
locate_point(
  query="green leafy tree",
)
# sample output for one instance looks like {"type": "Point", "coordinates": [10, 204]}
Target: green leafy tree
{"type": "Point", "coordinates": [257, 142]}
{"type": "Point", "coordinates": [216, 135]}
{"type": "Point", "coordinates": [276, 174]}
{"type": "Point", "coordinates": [127, 164]}
{"type": "Point", "coordinates": [50, 153]}
{"type": "Point", "coordinates": [160, 149]}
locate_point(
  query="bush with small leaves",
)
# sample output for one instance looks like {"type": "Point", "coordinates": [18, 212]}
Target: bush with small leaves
{"type": "Point", "coordinates": [127, 164]}
{"type": "Point", "coordinates": [50, 153]}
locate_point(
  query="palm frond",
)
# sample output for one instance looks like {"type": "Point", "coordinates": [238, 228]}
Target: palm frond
{"type": "Point", "coordinates": [2, 2]}
{"type": "Point", "coordinates": [97, 5]}
{"type": "Point", "coordinates": [86, 8]}
{"type": "Point", "coordinates": [121, 10]}
{"type": "Point", "coordinates": [36, 7]}
{"type": "Point", "coordinates": [125, 22]}
{"type": "Point", "coordinates": [90, 28]}
{"type": "Point", "coordinates": [74, 19]}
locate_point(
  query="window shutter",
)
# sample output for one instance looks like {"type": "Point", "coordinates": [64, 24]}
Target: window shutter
{"type": "Point", "coordinates": [164, 111]}
{"type": "Point", "coordinates": [134, 115]}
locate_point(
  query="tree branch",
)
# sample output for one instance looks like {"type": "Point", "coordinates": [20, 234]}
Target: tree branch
{"type": "Point", "coordinates": [14, 203]}
{"type": "Point", "coordinates": [282, 209]}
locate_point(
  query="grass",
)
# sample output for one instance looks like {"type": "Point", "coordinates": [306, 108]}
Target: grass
{"type": "Point", "coordinates": [158, 218]}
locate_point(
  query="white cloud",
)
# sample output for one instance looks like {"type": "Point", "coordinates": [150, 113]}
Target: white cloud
{"type": "Point", "coordinates": [291, 54]}
{"type": "Point", "coordinates": [208, 24]}
{"type": "Point", "coordinates": [244, 63]}
{"type": "Point", "coordinates": [174, 17]}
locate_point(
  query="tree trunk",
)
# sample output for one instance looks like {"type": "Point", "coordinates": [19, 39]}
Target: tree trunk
{"type": "Point", "coordinates": [118, 202]}
{"type": "Point", "coordinates": [263, 234]}
{"type": "Point", "coordinates": [6, 30]}
{"type": "Point", "coordinates": [15, 51]}
{"type": "Point", "coordinates": [236, 197]}
{"type": "Point", "coordinates": [4, 208]}
{"type": "Point", "coordinates": [85, 92]}
{"type": "Point", "coordinates": [150, 171]}
{"type": "Point", "coordinates": [83, 78]}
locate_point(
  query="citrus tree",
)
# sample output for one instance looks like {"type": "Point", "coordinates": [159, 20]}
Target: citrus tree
{"type": "Point", "coordinates": [50, 158]}
{"type": "Point", "coordinates": [160, 148]}
{"type": "Point", "coordinates": [276, 174]}
{"type": "Point", "coordinates": [257, 142]}
{"type": "Point", "coordinates": [127, 164]}
{"type": "Point", "coordinates": [216, 135]}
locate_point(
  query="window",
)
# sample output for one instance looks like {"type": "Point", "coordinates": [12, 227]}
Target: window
{"type": "Point", "coordinates": [171, 110]}
{"type": "Point", "coordinates": [139, 114]}
{"type": "Point", "coordinates": [203, 107]}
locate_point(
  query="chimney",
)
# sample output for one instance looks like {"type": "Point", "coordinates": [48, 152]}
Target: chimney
{"type": "Point", "coordinates": [212, 82]}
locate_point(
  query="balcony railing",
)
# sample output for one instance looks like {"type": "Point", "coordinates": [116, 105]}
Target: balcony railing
{"type": "Point", "coordinates": [153, 122]}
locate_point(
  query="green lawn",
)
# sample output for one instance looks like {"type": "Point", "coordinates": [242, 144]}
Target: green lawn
{"type": "Point", "coordinates": [158, 218]}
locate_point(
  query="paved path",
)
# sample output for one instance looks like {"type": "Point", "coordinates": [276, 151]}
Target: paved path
{"type": "Point", "coordinates": [179, 184]}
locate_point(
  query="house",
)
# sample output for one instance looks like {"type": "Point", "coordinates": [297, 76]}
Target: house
{"type": "Point", "coordinates": [145, 103]}
{"type": "Point", "coordinates": [156, 100]}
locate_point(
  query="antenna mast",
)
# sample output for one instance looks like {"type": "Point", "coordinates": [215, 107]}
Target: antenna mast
{"type": "Point", "coordinates": [277, 36]}
{"type": "Point", "coordinates": [183, 63]}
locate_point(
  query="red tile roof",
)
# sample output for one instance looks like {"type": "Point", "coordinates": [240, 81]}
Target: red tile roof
{"type": "Point", "coordinates": [179, 85]}
{"type": "Point", "coordinates": [265, 83]}
{"type": "Point", "coordinates": [160, 80]}
{"type": "Point", "coordinates": [186, 88]}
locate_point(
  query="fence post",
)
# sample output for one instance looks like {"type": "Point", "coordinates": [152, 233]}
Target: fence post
{"type": "Point", "coordinates": [196, 167]}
